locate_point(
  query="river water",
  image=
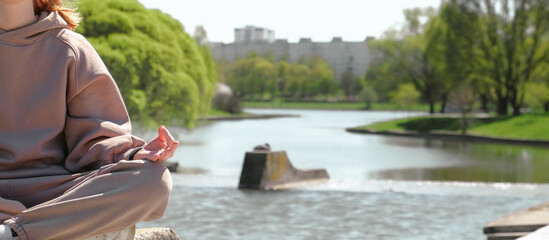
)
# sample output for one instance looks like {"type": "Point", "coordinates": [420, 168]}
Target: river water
{"type": "Point", "coordinates": [381, 187]}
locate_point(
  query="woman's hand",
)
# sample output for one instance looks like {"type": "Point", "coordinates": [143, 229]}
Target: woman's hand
{"type": "Point", "coordinates": [159, 149]}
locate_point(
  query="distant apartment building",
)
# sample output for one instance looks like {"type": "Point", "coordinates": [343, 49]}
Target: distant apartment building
{"type": "Point", "coordinates": [342, 56]}
{"type": "Point", "coordinates": [250, 34]}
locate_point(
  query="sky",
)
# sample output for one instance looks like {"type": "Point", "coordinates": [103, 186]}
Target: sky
{"type": "Point", "coordinates": [320, 20]}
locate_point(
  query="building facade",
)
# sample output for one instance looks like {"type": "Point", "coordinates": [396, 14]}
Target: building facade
{"type": "Point", "coordinates": [342, 56]}
{"type": "Point", "coordinates": [250, 34]}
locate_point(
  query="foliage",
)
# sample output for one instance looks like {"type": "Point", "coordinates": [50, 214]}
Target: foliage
{"type": "Point", "coordinates": [383, 75]}
{"type": "Point", "coordinates": [538, 95]}
{"type": "Point", "coordinates": [321, 80]}
{"type": "Point", "coordinates": [405, 95]}
{"type": "Point", "coordinates": [254, 77]}
{"type": "Point", "coordinates": [350, 84]}
{"type": "Point", "coordinates": [496, 47]}
{"type": "Point", "coordinates": [161, 72]}
{"type": "Point", "coordinates": [368, 95]}
{"type": "Point", "coordinates": [506, 44]}
{"type": "Point", "coordinates": [464, 97]}
{"type": "Point", "coordinates": [411, 55]}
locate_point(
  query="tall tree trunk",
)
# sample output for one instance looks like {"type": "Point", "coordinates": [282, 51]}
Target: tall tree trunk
{"type": "Point", "coordinates": [484, 103]}
{"type": "Point", "coordinates": [431, 106]}
{"type": "Point", "coordinates": [502, 104]}
{"type": "Point", "coordinates": [443, 103]}
{"type": "Point", "coordinates": [513, 99]}
{"type": "Point", "coordinates": [502, 107]}
{"type": "Point", "coordinates": [516, 110]}
{"type": "Point", "coordinates": [464, 123]}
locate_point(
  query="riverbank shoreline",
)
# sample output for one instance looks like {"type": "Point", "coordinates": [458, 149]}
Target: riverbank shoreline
{"type": "Point", "coordinates": [451, 136]}
{"type": "Point", "coordinates": [356, 106]}
{"type": "Point", "coordinates": [245, 117]}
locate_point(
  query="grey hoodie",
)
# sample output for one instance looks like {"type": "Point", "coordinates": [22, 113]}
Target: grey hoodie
{"type": "Point", "coordinates": [60, 110]}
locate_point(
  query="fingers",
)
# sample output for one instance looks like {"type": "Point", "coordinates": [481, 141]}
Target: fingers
{"type": "Point", "coordinates": [165, 136]}
{"type": "Point", "coordinates": [151, 155]}
{"type": "Point", "coordinates": [163, 147]}
{"type": "Point", "coordinates": [162, 133]}
{"type": "Point", "coordinates": [168, 152]}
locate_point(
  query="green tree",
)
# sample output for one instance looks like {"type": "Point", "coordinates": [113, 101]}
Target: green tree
{"type": "Point", "coordinates": [238, 77]}
{"type": "Point", "coordinates": [405, 95]}
{"type": "Point", "coordinates": [513, 45]}
{"type": "Point", "coordinates": [538, 95]}
{"type": "Point", "coordinates": [254, 76]}
{"type": "Point", "coordinates": [282, 76]}
{"type": "Point", "coordinates": [414, 55]}
{"type": "Point", "coordinates": [368, 95]}
{"type": "Point", "coordinates": [161, 72]}
{"type": "Point", "coordinates": [269, 56]}
{"type": "Point", "coordinates": [297, 76]}
{"type": "Point", "coordinates": [322, 78]}
{"type": "Point", "coordinates": [264, 74]}
{"type": "Point", "coordinates": [464, 97]}
{"type": "Point", "coordinates": [461, 56]}
{"type": "Point", "coordinates": [349, 83]}
{"type": "Point", "coordinates": [383, 74]}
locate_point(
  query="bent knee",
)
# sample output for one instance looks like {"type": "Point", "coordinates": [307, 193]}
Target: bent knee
{"type": "Point", "coordinates": [156, 178]}
{"type": "Point", "coordinates": [153, 178]}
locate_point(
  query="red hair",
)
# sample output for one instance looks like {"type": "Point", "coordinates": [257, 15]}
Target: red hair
{"type": "Point", "coordinates": [69, 15]}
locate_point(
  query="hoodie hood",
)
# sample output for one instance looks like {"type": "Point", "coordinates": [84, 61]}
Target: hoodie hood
{"type": "Point", "coordinates": [47, 22]}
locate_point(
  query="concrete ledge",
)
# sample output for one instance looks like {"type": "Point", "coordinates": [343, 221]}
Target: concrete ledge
{"type": "Point", "coordinates": [506, 236]}
{"type": "Point", "coordinates": [266, 170]}
{"type": "Point", "coordinates": [518, 224]}
{"type": "Point", "coordinates": [540, 234]}
{"type": "Point", "coordinates": [155, 234]}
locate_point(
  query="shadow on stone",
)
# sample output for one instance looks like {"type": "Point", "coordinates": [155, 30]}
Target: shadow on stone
{"type": "Point", "coordinates": [264, 169]}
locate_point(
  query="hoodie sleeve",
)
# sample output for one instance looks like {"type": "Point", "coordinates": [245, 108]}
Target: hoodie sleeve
{"type": "Point", "coordinates": [97, 128]}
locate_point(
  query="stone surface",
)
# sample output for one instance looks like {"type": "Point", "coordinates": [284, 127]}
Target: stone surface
{"type": "Point", "coordinates": [266, 170]}
{"type": "Point", "coordinates": [155, 234]}
{"type": "Point", "coordinates": [540, 234]}
{"type": "Point", "coordinates": [126, 234]}
{"type": "Point", "coordinates": [518, 224]}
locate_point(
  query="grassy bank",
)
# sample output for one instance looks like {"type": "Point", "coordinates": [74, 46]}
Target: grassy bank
{"type": "Point", "coordinates": [527, 126]}
{"type": "Point", "coordinates": [333, 105]}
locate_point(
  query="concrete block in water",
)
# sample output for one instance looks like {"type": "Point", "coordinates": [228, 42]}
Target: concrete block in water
{"type": "Point", "coordinates": [266, 170]}
{"type": "Point", "coordinates": [172, 166]}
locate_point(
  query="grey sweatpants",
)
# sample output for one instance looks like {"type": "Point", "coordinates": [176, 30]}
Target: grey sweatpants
{"type": "Point", "coordinates": [77, 206]}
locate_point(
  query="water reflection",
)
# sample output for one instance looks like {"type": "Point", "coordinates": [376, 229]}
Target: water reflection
{"type": "Point", "coordinates": [486, 163]}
